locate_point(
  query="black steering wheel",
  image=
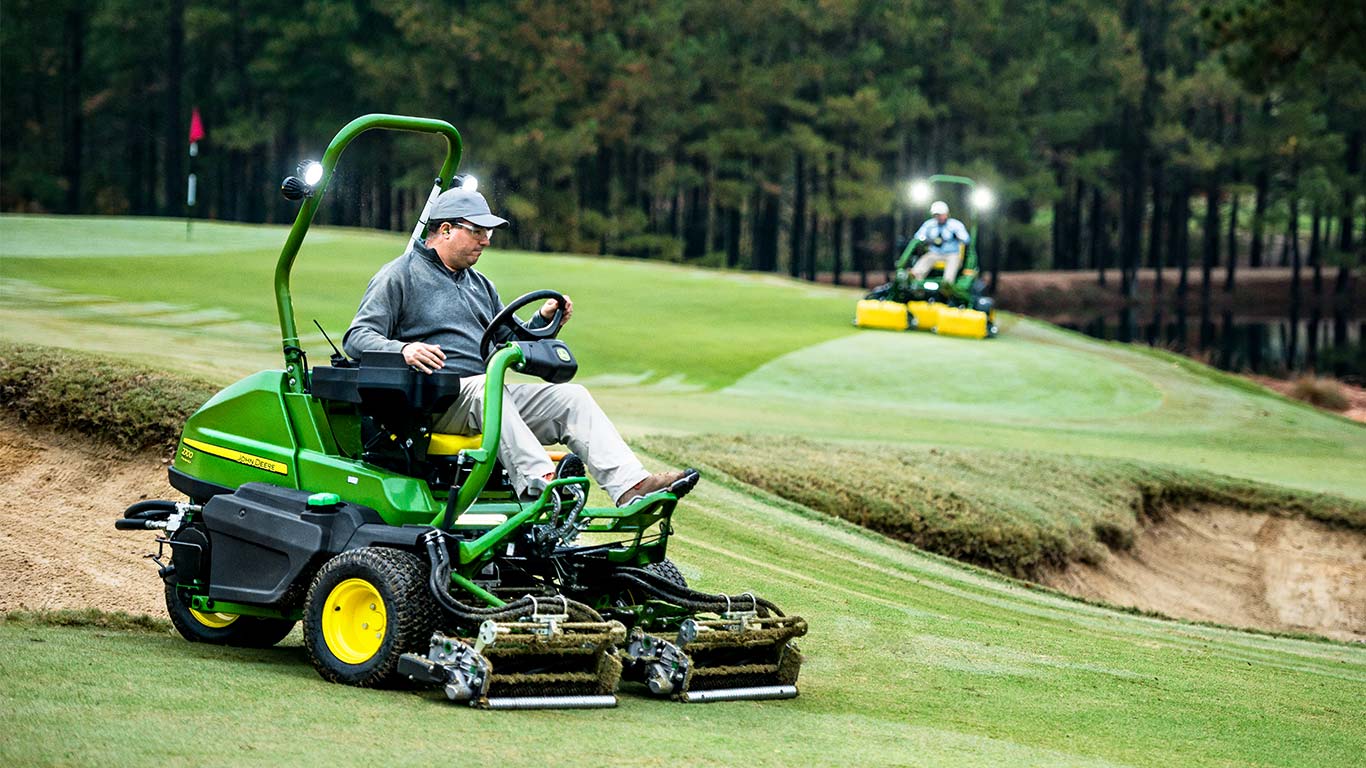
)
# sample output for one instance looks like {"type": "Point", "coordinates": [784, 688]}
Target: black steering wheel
{"type": "Point", "coordinates": [507, 319]}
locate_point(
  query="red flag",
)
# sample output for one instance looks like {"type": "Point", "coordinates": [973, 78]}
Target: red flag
{"type": "Point", "coordinates": [196, 126]}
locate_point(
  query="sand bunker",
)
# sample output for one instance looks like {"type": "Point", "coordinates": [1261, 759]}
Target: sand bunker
{"type": "Point", "coordinates": [60, 495]}
{"type": "Point", "coordinates": [1212, 563]}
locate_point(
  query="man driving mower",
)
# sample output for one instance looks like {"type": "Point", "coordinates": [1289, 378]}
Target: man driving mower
{"type": "Point", "coordinates": [946, 238]}
{"type": "Point", "coordinates": [433, 306]}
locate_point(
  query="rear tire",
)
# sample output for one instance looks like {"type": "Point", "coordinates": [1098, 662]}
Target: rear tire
{"type": "Point", "coordinates": [223, 628]}
{"type": "Point", "coordinates": [366, 608]}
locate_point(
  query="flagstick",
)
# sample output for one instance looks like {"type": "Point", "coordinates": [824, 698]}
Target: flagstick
{"type": "Point", "coordinates": [190, 190]}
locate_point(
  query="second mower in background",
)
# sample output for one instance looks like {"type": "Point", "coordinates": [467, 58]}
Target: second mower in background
{"type": "Point", "coordinates": [937, 286]}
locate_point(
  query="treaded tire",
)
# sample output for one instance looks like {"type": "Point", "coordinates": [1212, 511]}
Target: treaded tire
{"type": "Point", "coordinates": [411, 613]}
{"type": "Point", "coordinates": [668, 570]}
{"type": "Point", "coordinates": [241, 631]}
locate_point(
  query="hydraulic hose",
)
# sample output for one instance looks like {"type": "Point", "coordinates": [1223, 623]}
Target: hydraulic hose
{"type": "Point", "coordinates": [691, 599]}
{"type": "Point", "coordinates": [151, 509]}
{"type": "Point", "coordinates": [440, 576]}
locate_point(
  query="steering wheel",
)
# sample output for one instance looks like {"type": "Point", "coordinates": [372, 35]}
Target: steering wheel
{"type": "Point", "coordinates": [507, 319]}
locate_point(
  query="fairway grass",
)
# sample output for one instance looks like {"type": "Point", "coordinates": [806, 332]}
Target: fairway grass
{"type": "Point", "coordinates": [669, 349]}
{"type": "Point", "coordinates": [912, 659]}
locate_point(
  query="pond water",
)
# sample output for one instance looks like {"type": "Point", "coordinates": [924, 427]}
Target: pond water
{"type": "Point", "coordinates": [1326, 343]}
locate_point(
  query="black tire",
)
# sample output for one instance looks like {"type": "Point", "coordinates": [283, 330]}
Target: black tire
{"type": "Point", "coordinates": [222, 628]}
{"type": "Point", "coordinates": [342, 651]}
{"type": "Point", "coordinates": [668, 570]}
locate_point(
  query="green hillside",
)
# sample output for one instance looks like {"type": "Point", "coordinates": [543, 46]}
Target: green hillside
{"type": "Point", "coordinates": [913, 659]}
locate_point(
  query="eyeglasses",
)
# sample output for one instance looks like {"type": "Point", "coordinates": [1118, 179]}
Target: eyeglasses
{"type": "Point", "coordinates": [483, 233]}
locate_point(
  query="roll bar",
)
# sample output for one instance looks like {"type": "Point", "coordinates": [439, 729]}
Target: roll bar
{"type": "Point", "coordinates": [289, 334]}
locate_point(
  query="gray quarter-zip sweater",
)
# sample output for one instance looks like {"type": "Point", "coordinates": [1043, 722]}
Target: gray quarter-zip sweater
{"type": "Point", "coordinates": [417, 298]}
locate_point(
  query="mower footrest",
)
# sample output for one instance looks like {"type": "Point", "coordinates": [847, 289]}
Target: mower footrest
{"type": "Point", "coordinates": [740, 694]}
{"type": "Point", "coordinates": [551, 702]}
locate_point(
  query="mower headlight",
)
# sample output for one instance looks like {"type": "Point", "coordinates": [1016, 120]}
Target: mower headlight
{"type": "Point", "coordinates": [467, 182]}
{"type": "Point", "coordinates": [312, 171]}
{"type": "Point", "coordinates": [921, 192]}
{"type": "Point", "coordinates": [983, 199]}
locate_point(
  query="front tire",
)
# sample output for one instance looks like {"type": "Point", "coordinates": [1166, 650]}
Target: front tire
{"type": "Point", "coordinates": [668, 570]}
{"type": "Point", "coordinates": [366, 608]}
{"type": "Point", "coordinates": [223, 628]}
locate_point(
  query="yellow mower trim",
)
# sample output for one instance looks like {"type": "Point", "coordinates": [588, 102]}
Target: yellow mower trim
{"type": "Point", "coordinates": [278, 467]}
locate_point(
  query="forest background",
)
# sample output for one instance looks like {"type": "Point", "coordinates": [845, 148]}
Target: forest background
{"type": "Point", "coordinates": [774, 136]}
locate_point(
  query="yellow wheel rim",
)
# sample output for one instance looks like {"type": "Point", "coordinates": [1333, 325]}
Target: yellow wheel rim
{"type": "Point", "coordinates": [354, 621]}
{"type": "Point", "coordinates": [213, 620]}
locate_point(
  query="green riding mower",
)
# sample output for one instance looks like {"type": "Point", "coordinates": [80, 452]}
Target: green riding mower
{"type": "Point", "coordinates": [322, 494]}
{"type": "Point", "coordinates": [957, 307]}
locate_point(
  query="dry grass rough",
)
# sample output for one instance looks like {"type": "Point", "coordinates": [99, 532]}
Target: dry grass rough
{"type": "Point", "coordinates": [1015, 512]}
{"type": "Point", "coordinates": [106, 398]}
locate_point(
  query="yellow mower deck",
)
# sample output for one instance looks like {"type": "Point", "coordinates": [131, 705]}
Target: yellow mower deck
{"type": "Point", "coordinates": [923, 316]}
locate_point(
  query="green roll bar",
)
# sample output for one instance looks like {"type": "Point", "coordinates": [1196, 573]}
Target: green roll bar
{"type": "Point", "coordinates": [289, 334]}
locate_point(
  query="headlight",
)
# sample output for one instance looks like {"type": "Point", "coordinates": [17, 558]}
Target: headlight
{"type": "Point", "coordinates": [983, 199]}
{"type": "Point", "coordinates": [921, 192]}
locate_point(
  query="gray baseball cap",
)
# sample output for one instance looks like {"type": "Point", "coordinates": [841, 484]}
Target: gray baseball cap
{"type": "Point", "coordinates": [463, 204]}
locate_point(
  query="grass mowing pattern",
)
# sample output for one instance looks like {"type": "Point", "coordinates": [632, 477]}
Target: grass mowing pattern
{"type": "Point", "coordinates": [1009, 511]}
{"type": "Point", "coordinates": [219, 287]}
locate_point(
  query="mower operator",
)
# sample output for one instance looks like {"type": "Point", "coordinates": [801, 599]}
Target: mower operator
{"type": "Point", "coordinates": [433, 306]}
{"type": "Point", "coordinates": [946, 238]}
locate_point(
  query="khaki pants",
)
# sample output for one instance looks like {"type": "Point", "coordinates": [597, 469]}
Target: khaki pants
{"type": "Point", "coordinates": [536, 415]}
{"type": "Point", "coordinates": [952, 261]}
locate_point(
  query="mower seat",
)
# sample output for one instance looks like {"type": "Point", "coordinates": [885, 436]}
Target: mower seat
{"type": "Point", "coordinates": [449, 445]}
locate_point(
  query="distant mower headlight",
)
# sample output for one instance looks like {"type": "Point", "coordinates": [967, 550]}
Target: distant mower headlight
{"type": "Point", "coordinates": [921, 192]}
{"type": "Point", "coordinates": [467, 182]}
{"type": "Point", "coordinates": [983, 199]}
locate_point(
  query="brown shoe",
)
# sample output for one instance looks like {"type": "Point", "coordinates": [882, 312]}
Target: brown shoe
{"type": "Point", "coordinates": [678, 483]}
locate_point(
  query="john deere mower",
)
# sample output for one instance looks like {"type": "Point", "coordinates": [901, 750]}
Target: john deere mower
{"type": "Point", "coordinates": [957, 307]}
{"type": "Point", "coordinates": [322, 494]}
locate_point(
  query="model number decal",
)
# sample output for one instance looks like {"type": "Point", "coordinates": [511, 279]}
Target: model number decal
{"type": "Point", "coordinates": [279, 468]}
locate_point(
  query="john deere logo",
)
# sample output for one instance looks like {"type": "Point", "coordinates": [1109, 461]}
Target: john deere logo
{"type": "Point", "coordinates": [563, 353]}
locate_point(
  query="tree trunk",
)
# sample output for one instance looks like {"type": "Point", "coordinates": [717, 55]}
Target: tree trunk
{"type": "Point", "coordinates": [1347, 221]}
{"type": "Point", "coordinates": [1232, 244]}
{"type": "Point", "coordinates": [836, 249]}
{"type": "Point", "coordinates": [1098, 249]}
{"type": "Point", "coordinates": [859, 248]}
{"type": "Point", "coordinates": [1074, 227]}
{"type": "Point", "coordinates": [798, 216]}
{"type": "Point", "coordinates": [1262, 183]}
{"type": "Point", "coordinates": [1178, 232]}
{"type": "Point", "coordinates": [733, 238]}
{"type": "Point", "coordinates": [1210, 251]}
{"type": "Point", "coordinates": [1315, 255]}
{"type": "Point", "coordinates": [1292, 233]}
{"type": "Point", "coordinates": [174, 133]}
{"type": "Point", "coordinates": [1155, 238]}
{"type": "Point", "coordinates": [73, 60]}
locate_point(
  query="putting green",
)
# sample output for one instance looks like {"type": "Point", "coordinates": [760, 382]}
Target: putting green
{"type": "Point", "coordinates": [934, 377]}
